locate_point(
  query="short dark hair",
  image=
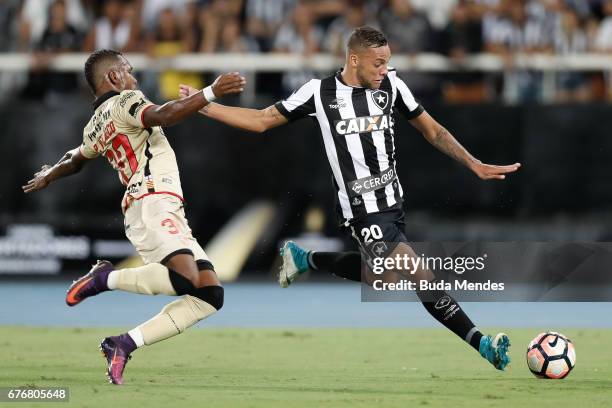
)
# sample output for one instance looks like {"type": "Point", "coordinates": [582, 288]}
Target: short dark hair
{"type": "Point", "coordinates": [366, 37]}
{"type": "Point", "coordinates": [92, 63]}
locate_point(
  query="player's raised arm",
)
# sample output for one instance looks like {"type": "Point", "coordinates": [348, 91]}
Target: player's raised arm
{"type": "Point", "coordinates": [175, 111]}
{"type": "Point", "coordinates": [441, 138]}
{"type": "Point", "coordinates": [253, 120]}
{"type": "Point", "coordinates": [72, 162]}
{"type": "Point", "coordinates": [444, 141]}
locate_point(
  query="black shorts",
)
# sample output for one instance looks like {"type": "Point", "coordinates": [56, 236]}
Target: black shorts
{"type": "Point", "coordinates": [378, 234]}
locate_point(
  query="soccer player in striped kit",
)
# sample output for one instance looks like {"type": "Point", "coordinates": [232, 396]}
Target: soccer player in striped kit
{"type": "Point", "coordinates": [355, 112]}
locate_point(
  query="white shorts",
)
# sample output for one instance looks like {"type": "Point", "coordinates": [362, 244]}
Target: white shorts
{"type": "Point", "coordinates": [157, 227]}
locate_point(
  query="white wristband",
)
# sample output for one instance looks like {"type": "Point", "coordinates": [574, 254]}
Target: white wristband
{"type": "Point", "coordinates": [208, 93]}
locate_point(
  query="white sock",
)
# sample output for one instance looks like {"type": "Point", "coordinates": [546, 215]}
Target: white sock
{"type": "Point", "coordinates": [175, 318]}
{"type": "Point", "coordinates": [149, 279]}
{"type": "Point", "coordinates": [112, 279]}
{"type": "Point", "coordinates": [136, 335]}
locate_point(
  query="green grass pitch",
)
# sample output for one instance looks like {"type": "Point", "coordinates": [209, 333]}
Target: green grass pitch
{"type": "Point", "coordinates": [301, 368]}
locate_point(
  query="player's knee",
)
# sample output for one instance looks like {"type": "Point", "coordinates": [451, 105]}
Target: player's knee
{"type": "Point", "coordinates": [212, 295]}
{"type": "Point", "coordinates": [192, 276]}
{"type": "Point", "coordinates": [181, 284]}
{"type": "Point", "coordinates": [183, 265]}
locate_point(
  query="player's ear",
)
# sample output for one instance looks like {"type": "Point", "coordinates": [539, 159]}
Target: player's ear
{"type": "Point", "coordinates": [114, 80]}
{"type": "Point", "coordinates": [112, 77]}
{"type": "Point", "coordinates": [354, 60]}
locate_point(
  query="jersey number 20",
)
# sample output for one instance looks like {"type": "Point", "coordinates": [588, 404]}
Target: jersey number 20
{"type": "Point", "coordinates": [374, 231]}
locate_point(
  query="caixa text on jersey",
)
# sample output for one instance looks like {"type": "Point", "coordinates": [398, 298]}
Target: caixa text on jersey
{"type": "Point", "coordinates": [363, 124]}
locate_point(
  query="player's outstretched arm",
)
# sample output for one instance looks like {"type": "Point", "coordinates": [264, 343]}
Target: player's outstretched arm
{"type": "Point", "coordinates": [253, 120]}
{"type": "Point", "coordinates": [175, 111]}
{"type": "Point", "coordinates": [72, 162]}
{"type": "Point", "coordinates": [442, 139]}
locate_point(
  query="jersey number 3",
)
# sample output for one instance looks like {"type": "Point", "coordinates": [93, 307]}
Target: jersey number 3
{"type": "Point", "coordinates": [122, 157]}
{"type": "Point", "coordinates": [168, 223]}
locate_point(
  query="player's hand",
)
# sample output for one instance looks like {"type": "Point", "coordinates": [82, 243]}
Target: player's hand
{"type": "Point", "coordinates": [225, 84]}
{"type": "Point", "coordinates": [493, 172]}
{"type": "Point", "coordinates": [229, 83]}
{"type": "Point", "coordinates": [39, 181]}
{"type": "Point", "coordinates": [186, 90]}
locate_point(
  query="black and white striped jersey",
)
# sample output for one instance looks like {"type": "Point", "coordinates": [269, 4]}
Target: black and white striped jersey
{"type": "Point", "coordinates": [357, 128]}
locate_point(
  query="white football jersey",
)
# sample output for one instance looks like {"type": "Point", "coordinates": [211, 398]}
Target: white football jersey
{"type": "Point", "coordinates": [142, 155]}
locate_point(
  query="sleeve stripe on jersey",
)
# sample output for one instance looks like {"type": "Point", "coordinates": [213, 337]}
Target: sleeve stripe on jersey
{"type": "Point", "coordinates": [298, 112]}
{"type": "Point", "coordinates": [412, 114]}
{"type": "Point", "coordinates": [281, 108]}
{"type": "Point", "coordinates": [405, 101]}
{"type": "Point", "coordinates": [142, 115]}
{"type": "Point", "coordinates": [300, 103]}
{"type": "Point", "coordinates": [85, 154]}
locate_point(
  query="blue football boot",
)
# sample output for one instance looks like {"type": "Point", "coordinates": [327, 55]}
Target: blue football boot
{"type": "Point", "coordinates": [295, 263]}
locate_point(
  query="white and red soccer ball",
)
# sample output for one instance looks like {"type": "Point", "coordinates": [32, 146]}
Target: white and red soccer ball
{"type": "Point", "coordinates": [551, 355]}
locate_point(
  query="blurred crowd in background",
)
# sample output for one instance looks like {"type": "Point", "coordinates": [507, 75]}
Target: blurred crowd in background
{"type": "Point", "coordinates": [455, 28]}
{"type": "Point", "coordinates": [504, 115]}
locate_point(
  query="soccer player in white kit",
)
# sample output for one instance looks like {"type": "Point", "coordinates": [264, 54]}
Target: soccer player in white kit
{"type": "Point", "coordinates": [126, 129]}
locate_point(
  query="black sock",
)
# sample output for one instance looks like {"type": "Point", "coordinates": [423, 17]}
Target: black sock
{"type": "Point", "coordinates": [448, 312]}
{"type": "Point", "coordinates": [437, 302]}
{"type": "Point", "coordinates": [343, 264]}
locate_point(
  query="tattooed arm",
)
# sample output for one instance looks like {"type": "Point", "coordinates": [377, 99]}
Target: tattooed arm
{"type": "Point", "coordinates": [442, 139]}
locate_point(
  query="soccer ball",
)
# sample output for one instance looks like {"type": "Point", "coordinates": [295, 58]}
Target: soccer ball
{"type": "Point", "coordinates": [551, 355]}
